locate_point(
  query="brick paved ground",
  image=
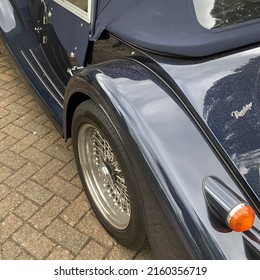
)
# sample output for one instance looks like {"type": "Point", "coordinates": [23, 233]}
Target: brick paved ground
{"type": "Point", "coordinates": [44, 213]}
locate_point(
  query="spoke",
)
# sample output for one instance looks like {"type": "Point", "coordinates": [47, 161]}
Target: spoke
{"type": "Point", "coordinates": [103, 146]}
{"type": "Point", "coordinates": [116, 167]}
{"type": "Point", "coordinates": [105, 179]}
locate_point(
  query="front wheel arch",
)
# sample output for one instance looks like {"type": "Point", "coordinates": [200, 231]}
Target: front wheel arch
{"type": "Point", "coordinates": [73, 102]}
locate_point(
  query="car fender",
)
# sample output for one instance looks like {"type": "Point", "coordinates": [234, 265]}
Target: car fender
{"type": "Point", "coordinates": [172, 157]}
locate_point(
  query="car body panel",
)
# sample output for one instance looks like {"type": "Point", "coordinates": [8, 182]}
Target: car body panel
{"type": "Point", "coordinates": [164, 135]}
{"type": "Point", "coordinates": [218, 88]}
{"type": "Point", "coordinates": [164, 107]}
{"type": "Point", "coordinates": [77, 30]}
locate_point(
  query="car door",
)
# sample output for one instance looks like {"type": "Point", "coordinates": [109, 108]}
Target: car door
{"type": "Point", "coordinates": [63, 27]}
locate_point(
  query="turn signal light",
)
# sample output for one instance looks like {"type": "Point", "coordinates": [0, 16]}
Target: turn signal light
{"type": "Point", "coordinates": [241, 218]}
{"type": "Point", "coordinates": [228, 206]}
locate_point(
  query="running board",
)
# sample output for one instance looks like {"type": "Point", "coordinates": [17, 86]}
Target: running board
{"type": "Point", "coordinates": [41, 68]}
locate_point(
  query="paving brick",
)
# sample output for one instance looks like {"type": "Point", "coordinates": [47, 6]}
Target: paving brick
{"type": "Point", "coordinates": [6, 143]}
{"type": "Point", "coordinates": [2, 135]}
{"type": "Point", "coordinates": [15, 131]}
{"type": "Point", "coordinates": [24, 143]}
{"type": "Point", "coordinates": [48, 213]}
{"type": "Point", "coordinates": [24, 256]}
{"type": "Point", "coordinates": [63, 188]}
{"type": "Point", "coordinates": [37, 128]}
{"type": "Point", "coordinates": [9, 226]}
{"type": "Point", "coordinates": [2, 70]}
{"type": "Point", "coordinates": [3, 112]}
{"type": "Point", "coordinates": [6, 62]}
{"type": "Point", "coordinates": [12, 73]}
{"type": "Point", "coordinates": [145, 254]}
{"type": "Point", "coordinates": [28, 97]}
{"type": "Point", "coordinates": [76, 182]}
{"type": "Point", "coordinates": [47, 140]}
{"type": "Point", "coordinates": [21, 175]}
{"type": "Point", "coordinates": [60, 153]}
{"type": "Point", "coordinates": [9, 100]}
{"type": "Point", "coordinates": [24, 119]}
{"type": "Point", "coordinates": [76, 210]}
{"type": "Point", "coordinates": [9, 203]}
{"type": "Point", "coordinates": [92, 251]}
{"type": "Point", "coordinates": [21, 90]}
{"type": "Point", "coordinates": [35, 192]}
{"type": "Point", "coordinates": [120, 253]}
{"type": "Point", "coordinates": [5, 77]}
{"type": "Point", "coordinates": [60, 254]}
{"type": "Point", "coordinates": [90, 226]}
{"type": "Point", "coordinates": [12, 160]}
{"type": "Point", "coordinates": [10, 250]}
{"type": "Point", "coordinates": [36, 156]}
{"type": "Point", "coordinates": [4, 191]}
{"type": "Point", "coordinates": [66, 236]}
{"type": "Point", "coordinates": [9, 85]}
{"type": "Point", "coordinates": [69, 171]}
{"type": "Point", "coordinates": [33, 241]}
{"type": "Point", "coordinates": [26, 210]}
{"type": "Point", "coordinates": [48, 171]}
{"type": "Point", "coordinates": [50, 125]}
{"type": "Point", "coordinates": [1, 84]}
{"type": "Point", "coordinates": [8, 119]}
{"type": "Point", "coordinates": [65, 144]}
{"type": "Point", "coordinates": [42, 119]}
{"type": "Point", "coordinates": [5, 172]}
{"type": "Point", "coordinates": [34, 105]}
{"type": "Point", "coordinates": [17, 108]}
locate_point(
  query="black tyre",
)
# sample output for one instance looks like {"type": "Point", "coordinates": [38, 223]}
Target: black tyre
{"type": "Point", "coordinates": [107, 175]}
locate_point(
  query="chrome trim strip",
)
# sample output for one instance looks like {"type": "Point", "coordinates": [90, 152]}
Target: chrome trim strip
{"type": "Point", "coordinates": [40, 78]}
{"type": "Point", "coordinates": [86, 16]}
{"type": "Point", "coordinates": [46, 74]}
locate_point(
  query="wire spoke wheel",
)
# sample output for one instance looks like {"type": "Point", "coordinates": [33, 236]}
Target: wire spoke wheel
{"type": "Point", "coordinates": [104, 176]}
{"type": "Point", "coordinates": [107, 174]}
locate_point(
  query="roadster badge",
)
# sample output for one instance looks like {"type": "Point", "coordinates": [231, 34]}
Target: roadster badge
{"type": "Point", "coordinates": [239, 114]}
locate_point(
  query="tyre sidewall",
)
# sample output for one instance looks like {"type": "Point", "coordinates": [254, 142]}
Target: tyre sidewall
{"type": "Point", "coordinates": [134, 234]}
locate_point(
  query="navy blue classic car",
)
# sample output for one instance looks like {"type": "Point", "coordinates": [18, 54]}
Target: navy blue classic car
{"type": "Point", "coordinates": [162, 102]}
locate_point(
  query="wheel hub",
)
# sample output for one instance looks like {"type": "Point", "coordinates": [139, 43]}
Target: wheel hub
{"type": "Point", "coordinates": [104, 177]}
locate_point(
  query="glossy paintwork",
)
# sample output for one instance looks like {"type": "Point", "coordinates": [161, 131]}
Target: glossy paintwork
{"type": "Point", "coordinates": [7, 19]}
{"type": "Point", "coordinates": [215, 89]}
{"type": "Point", "coordinates": [77, 31]}
{"type": "Point", "coordinates": [167, 139]}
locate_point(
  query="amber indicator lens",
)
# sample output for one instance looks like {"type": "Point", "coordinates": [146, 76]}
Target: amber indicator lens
{"type": "Point", "coordinates": [241, 218]}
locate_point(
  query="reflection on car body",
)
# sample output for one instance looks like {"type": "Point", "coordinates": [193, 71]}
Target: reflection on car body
{"type": "Point", "coordinates": [161, 99]}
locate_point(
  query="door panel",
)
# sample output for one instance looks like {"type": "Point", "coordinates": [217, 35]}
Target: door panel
{"type": "Point", "coordinates": [37, 11]}
{"type": "Point", "coordinates": [63, 30]}
{"type": "Point", "coordinates": [71, 28]}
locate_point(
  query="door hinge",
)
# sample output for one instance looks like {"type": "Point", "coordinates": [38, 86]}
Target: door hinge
{"type": "Point", "coordinates": [44, 21]}
{"type": "Point", "coordinates": [44, 39]}
{"type": "Point", "coordinates": [72, 71]}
